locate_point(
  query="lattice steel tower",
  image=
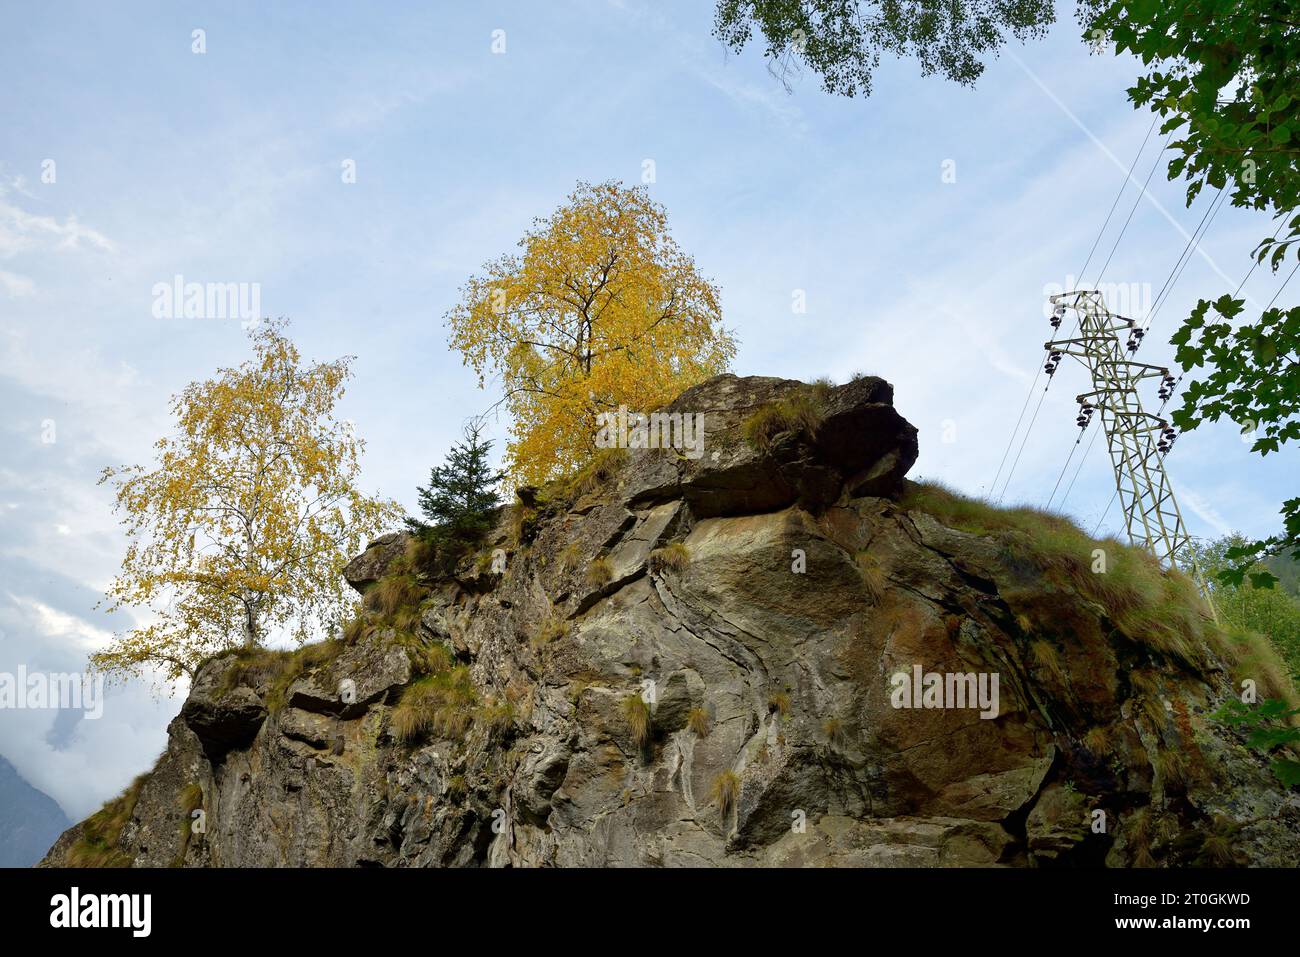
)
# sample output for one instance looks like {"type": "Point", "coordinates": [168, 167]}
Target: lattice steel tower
{"type": "Point", "coordinates": [1137, 439]}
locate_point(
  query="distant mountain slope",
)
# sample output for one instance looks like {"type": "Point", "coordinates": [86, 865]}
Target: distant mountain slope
{"type": "Point", "coordinates": [30, 820]}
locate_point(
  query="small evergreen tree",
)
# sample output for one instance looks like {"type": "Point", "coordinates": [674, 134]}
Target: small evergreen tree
{"type": "Point", "coordinates": [461, 494]}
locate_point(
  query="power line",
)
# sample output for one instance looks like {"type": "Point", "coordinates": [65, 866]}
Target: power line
{"type": "Point", "coordinates": [1079, 468]}
{"type": "Point", "coordinates": [1014, 432]}
{"type": "Point", "coordinates": [1122, 187]}
{"type": "Point", "coordinates": [1166, 289]}
{"type": "Point", "coordinates": [1079, 279]}
{"type": "Point", "coordinates": [1249, 273]}
{"type": "Point", "coordinates": [1281, 287]}
{"type": "Point", "coordinates": [1133, 210]}
{"type": "Point", "coordinates": [1025, 441]}
{"type": "Point", "coordinates": [1073, 447]}
{"type": "Point", "coordinates": [1105, 512]}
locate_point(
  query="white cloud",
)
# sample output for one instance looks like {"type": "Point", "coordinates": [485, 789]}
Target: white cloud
{"type": "Point", "coordinates": [1206, 512]}
{"type": "Point", "coordinates": [57, 625]}
{"type": "Point", "coordinates": [16, 286]}
{"type": "Point", "coordinates": [21, 231]}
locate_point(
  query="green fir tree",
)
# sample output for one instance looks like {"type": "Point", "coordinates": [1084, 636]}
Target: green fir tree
{"type": "Point", "coordinates": [461, 497]}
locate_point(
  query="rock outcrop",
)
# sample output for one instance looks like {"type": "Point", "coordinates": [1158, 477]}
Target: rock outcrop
{"type": "Point", "coordinates": [682, 661]}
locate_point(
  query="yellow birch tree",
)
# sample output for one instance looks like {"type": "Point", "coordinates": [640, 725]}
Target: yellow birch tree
{"type": "Point", "coordinates": [600, 308]}
{"type": "Point", "coordinates": [244, 524]}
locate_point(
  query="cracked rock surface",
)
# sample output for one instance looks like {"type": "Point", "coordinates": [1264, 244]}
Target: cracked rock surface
{"type": "Point", "coordinates": [766, 661]}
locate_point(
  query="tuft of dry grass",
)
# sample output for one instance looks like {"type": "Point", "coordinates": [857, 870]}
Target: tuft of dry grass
{"type": "Point", "coordinates": [97, 846]}
{"type": "Point", "coordinates": [698, 722]}
{"type": "Point", "coordinates": [570, 557]}
{"type": "Point", "coordinates": [725, 792]}
{"type": "Point", "coordinates": [674, 558]}
{"type": "Point", "coordinates": [820, 390]}
{"type": "Point", "coordinates": [427, 657]}
{"type": "Point", "coordinates": [602, 467]}
{"type": "Point", "coordinates": [873, 576]}
{"type": "Point", "coordinates": [1219, 851]}
{"type": "Point", "coordinates": [1173, 771]}
{"type": "Point", "coordinates": [276, 669]}
{"type": "Point", "coordinates": [1048, 660]}
{"type": "Point", "coordinates": [637, 714]}
{"type": "Point", "coordinates": [497, 714]}
{"type": "Point", "coordinates": [552, 628]}
{"type": "Point", "coordinates": [189, 800]}
{"type": "Point", "coordinates": [421, 555]}
{"type": "Point", "coordinates": [1251, 656]}
{"type": "Point", "coordinates": [1153, 708]}
{"type": "Point", "coordinates": [833, 728]}
{"type": "Point", "coordinates": [779, 701]}
{"type": "Point", "coordinates": [1122, 584]}
{"type": "Point", "coordinates": [441, 703]}
{"type": "Point", "coordinates": [523, 524]}
{"type": "Point", "coordinates": [392, 593]}
{"type": "Point", "coordinates": [354, 630]}
{"type": "Point", "coordinates": [1098, 740]}
{"type": "Point", "coordinates": [797, 412]}
{"type": "Point", "coordinates": [600, 572]}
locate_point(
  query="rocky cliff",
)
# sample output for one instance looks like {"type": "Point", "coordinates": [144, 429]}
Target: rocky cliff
{"type": "Point", "coordinates": [676, 660]}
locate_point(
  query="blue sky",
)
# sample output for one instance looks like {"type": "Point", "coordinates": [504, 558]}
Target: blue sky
{"type": "Point", "coordinates": [227, 166]}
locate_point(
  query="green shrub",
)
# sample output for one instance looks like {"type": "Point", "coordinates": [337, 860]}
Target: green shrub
{"type": "Point", "coordinates": [1269, 726]}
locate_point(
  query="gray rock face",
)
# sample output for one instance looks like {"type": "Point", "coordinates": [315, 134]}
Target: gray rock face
{"type": "Point", "coordinates": [370, 566]}
{"type": "Point", "coordinates": [730, 708]}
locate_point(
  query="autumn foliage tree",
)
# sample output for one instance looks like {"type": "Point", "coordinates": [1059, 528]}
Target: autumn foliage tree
{"type": "Point", "coordinates": [600, 308]}
{"type": "Point", "coordinates": [243, 525]}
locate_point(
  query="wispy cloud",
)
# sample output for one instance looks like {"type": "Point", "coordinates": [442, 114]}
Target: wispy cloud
{"type": "Point", "coordinates": [21, 231]}
{"type": "Point", "coordinates": [16, 286]}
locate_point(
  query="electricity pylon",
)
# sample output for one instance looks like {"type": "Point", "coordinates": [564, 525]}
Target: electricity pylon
{"type": "Point", "coordinates": [1137, 439]}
